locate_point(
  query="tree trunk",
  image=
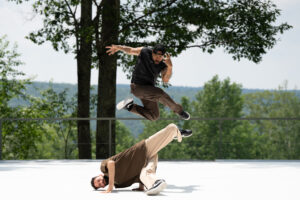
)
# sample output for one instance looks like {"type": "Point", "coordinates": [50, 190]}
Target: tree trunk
{"type": "Point", "coordinates": [107, 78]}
{"type": "Point", "coordinates": [84, 79]}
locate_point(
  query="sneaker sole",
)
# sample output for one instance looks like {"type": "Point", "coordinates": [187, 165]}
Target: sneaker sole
{"type": "Point", "coordinates": [175, 138]}
{"type": "Point", "coordinates": [157, 190]}
{"type": "Point", "coordinates": [123, 103]}
{"type": "Point", "coordinates": [188, 117]}
{"type": "Point", "coordinates": [185, 118]}
{"type": "Point", "coordinates": [187, 135]}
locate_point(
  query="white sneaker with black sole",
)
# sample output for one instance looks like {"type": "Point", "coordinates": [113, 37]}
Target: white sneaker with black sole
{"type": "Point", "coordinates": [124, 103]}
{"type": "Point", "coordinates": [184, 133]}
{"type": "Point", "coordinates": [158, 186]}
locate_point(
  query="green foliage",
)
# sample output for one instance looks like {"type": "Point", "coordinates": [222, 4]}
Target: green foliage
{"type": "Point", "coordinates": [136, 127]}
{"type": "Point", "coordinates": [243, 28]}
{"type": "Point", "coordinates": [54, 146]}
{"type": "Point", "coordinates": [124, 138]}
{"type": "Point", "coordinates": [40, 139]}
{"type": "Point", "coordinates": [57, 105]}
{"type": "Point", "coordinates": [11, 84]}
{"type": "Point", "coordinates": [59, 136]}
{"type": "Point", "coordinates": [283, 135]}
{"type": "Point", "coordinates": [25, 139]}
{"type": "Point", "coordinates": [232, 139]}
{"type": "Point", "coordinates": [261, 139]}
{"type": "Point", "coordinates": [60, 24]}
{"type": "Point", "coordinates": [217, 100]}
{"type": "Point", "coordinates": [219, 138]}
{"type": "Point", "coordinates": [19, 137]}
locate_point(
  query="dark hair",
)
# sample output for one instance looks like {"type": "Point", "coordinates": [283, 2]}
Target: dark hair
{"type": "Point", "coordinates": [159, 47]}
{"type": "Point", "coordinates": [92, 182]}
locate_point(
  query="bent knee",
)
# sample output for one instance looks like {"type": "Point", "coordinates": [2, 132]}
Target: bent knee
{"type": "Point", "coordinates": [172, 126]}
{"type": "Point", "coordinates": [154, 117]}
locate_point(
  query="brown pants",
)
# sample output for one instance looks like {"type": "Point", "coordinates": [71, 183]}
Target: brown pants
{"type": "Point", "coordinates": [150, 96]}
{"type": "Point", "coordinates": [154, 144]}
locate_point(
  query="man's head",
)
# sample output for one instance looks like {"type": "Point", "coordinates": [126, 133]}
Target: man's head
{"type": "Point", "coordinates": [158, 53]}
{"type": "Point", "coordinates": [99, 181]}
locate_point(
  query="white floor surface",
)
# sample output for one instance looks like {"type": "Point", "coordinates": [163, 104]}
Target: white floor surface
{"type": "Point", "coordinates": [215, 180]}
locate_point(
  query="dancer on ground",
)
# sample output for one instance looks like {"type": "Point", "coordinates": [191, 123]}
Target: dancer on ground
{"type": "Point", "coordinates": [138, 163]}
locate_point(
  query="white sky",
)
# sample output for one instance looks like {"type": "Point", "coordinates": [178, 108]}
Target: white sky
{"type": "Point", "coordinates": [191, 68]}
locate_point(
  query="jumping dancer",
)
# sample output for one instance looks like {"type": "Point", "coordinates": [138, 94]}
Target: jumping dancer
{"type": "Point", "coordinates": [150, 63]}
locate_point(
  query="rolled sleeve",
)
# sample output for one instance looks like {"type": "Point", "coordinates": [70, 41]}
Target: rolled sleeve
{"type": "Point", "coordinates": [103, 167]}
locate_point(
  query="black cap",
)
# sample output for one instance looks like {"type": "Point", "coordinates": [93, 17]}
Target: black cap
{"type": "Point", "coordinates": [159, 47]}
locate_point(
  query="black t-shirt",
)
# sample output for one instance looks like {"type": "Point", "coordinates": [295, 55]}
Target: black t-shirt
{"type": "Point", "coordinates": [146, 71]}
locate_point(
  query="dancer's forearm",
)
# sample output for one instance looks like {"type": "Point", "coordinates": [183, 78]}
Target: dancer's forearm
{"type": "Point", "coordinates": [125, 49]}
{"type": "Point", "coordinates": [111, 175]}
{"type": "Point", "coordinates": [166, 75]}
{"type": "Point", "coordinates": [129, 50]}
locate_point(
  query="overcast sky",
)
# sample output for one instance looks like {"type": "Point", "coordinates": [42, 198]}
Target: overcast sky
{"type": "Point", "coordinates": [191, 68]}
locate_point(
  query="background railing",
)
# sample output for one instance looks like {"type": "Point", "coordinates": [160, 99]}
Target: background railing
{"type": "Point", "coordinates": [220, 122]}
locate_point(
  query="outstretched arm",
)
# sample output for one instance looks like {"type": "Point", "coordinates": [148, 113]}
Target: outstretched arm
{"type": "Point", "coordinates": [111, 175]}
{"type": "Point", "coordinates": [167, 72]}
{"type": "Point", "coordinates": [128, 50]}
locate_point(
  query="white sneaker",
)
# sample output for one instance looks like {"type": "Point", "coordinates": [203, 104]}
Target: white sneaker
{"type": "Point", "coordinates": [124, 103]}
{"type": "Point", "coordinates": [158, 186]}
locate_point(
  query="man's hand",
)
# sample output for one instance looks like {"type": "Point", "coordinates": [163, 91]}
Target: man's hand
{"type": "Point", "coordinates": [109, 189]}
{"type": "Point", "coordinates": [167, 60]}
{"type": "Point", "coordinates": [112, 49]}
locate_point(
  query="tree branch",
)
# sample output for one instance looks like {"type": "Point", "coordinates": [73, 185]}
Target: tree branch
{"type": "Point", "coordinates": [99, 8]}
{"type": "Point", "coordinates": [73, 14]}
{"type": "Point", "coordinates": [145, 43]}
{"type": "Point", "coordinates": [95, 2]}
{"type": "Point", "coordinates": [157, 25]}
{"type": "Point", "coordinates": [75, 9]}
{"type": "Point", "coordinates": [149, 13]}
